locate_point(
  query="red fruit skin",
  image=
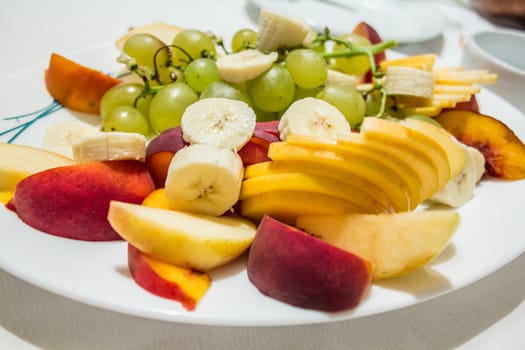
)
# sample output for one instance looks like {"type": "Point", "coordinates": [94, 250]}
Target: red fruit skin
{"type": "Point", "coordinates": [148, 279]}
{"type": "Point", "coordinates": [73, 201]}
{"type": "Point", "coordinates": [267, 131]}
{"type": "Point", "coordinates": [170, 140]}
{"type": "Point", "coordinates": [470, 105]}
{"type": "Point", "coordinates": [289, 265]}
{"type": "Point", "coordinates": [158, 164]}
{"type": "Point", "coordinates": [254, 152]}
{"type": "Point", "coordinates": [372, 35]}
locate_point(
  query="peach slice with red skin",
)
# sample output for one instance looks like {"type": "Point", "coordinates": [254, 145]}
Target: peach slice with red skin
{"type": "Point", "coordinates": [73, 201]}
{"type": "Point", "coordinates": [76, 86]}
{"type": "Point", "coordinates": [289, 265]}
{"type": "Point", "coordinates": [504, 152]}
{"type": "Point", "coordinates": [168, 281]}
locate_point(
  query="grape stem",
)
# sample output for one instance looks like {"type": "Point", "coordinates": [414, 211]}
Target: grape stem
{"type": "Point", "coordinates": [369, 51]}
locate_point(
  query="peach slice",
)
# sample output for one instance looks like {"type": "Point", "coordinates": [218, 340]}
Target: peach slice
{"type": "Point", "coordinates": [18, 162]}
{"type": "Point", "coordinates": [76, 86]}
{"type": "Point", "coordinates": [168, 281]}
{"type": "Point", "coordinates": [296, 268]}
{"type": "Point", "coordinates": [72, 201]}
{"type": "Point", "coordinates": [504, 152]}
{"type": "Point", "coordinates": [394, 243]}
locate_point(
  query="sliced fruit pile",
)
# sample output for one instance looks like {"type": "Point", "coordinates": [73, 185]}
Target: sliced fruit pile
{"type": "Point", "coordinates": [308, 152]}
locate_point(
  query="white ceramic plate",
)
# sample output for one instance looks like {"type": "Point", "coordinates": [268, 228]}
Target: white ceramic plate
{"type": "Point", "coordinates": [96, 273]}
{"type": "Point", "coordinates": [403, 21]}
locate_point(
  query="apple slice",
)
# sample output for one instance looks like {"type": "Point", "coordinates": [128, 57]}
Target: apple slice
{"type": "Point", "coordinates": [179, 238]}
{"type": "Point", "coordinates": [18, 162]}
{"type": "Point", "coordinates": [296, 268]}
{"type": "Point", "coordinates": [394, 243]}
{"type": "Point", "coordinates": [168, 281]}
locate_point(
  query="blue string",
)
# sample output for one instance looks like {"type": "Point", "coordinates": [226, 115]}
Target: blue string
{"type": "Point", "coordinates": [41, 113]}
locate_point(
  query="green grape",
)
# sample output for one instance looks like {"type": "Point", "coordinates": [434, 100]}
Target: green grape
{"type": "Point", "coordinates": [348, 100]}
{"type": "Point", "coordinates": [126, 119]}
{"type": "Point", "coordinates": [200, 73]}
{"type": "Point", "coordinates": [307, 67]}
{"type": "Point", "coordinates": [168, 105]}
{"type": "Point", "coordinates": [273, 90]}
{"type": "Point", "coordinates": [144, 48]}
{"type": "Point", "coordinates": [301, 93]}
{"type": "Point", "coordinates": [355, 65]}
{"type": "Point", "coordinates": [373, 103]}
{"type": "Point", "coordinates": [194, 43]}
{"type": "Point", "coordinates": [124, 95]}
{"type": "Point", "coordinates": [221, 89]}
{"type": "Point", "coordinates": [243, 39]}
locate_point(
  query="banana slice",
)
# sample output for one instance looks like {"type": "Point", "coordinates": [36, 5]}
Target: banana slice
{"type": "Point", "coordinates": [60, 136]}
{"type": "Point", "coordinates": [461, 187]}
{"type": "Point", "coordinates": [408, 81]}
{"type": "Point", "coordinates": [112, 145]}
{"type": "Point", "coordinates": [244, 65]}
{"type": "Point", "coordinates": [277, 30]}
{"type": "Point", "coordinates": [220, 121]}
{"type": "Point", "coordinates": [311, 116]}
{"type": "Point", "coordinates": [336, 77]}
{"type": "Point", "coordinates": [204, 179]}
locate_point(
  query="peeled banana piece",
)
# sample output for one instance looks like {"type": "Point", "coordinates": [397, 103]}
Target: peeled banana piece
{"type": "Point", "coordinates": [102, 146]}
{"type": "Point", "coordinates": [410, 82]}
{"type": "Point", "coordinates": [244, 65]}
{"type": "Point", "coordinates": [277, 30]}
{"type": "Point", "coordinates": [311, 116]}
{"type": "Point", "coordinates": [460, 188]}
{"type": "Point", "coordinates": [59, 137]}
{"type": "Point", "coordinates": [204, 179]}
{"type": "Point", "coordinates": [220, 121]}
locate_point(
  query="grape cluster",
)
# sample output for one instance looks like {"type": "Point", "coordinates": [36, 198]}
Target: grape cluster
{"type": "Point", "coordinates": [177, 75]}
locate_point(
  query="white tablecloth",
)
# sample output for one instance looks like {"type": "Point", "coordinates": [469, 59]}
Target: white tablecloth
{"type": "Point", "coordinates": [488, 314]}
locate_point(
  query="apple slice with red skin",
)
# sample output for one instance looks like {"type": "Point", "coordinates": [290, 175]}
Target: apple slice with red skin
{"type": "Point", "coordinates": [182, 284]}
{"type": "Point", "coordinates": [289, 265]}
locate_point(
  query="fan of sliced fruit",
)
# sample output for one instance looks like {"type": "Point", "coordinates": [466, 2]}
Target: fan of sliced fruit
{"type": "Point", "coordinates": [309, 152]}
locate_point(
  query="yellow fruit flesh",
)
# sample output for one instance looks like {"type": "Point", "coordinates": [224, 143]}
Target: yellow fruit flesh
{"type": "Point", "coordinates": [193, 283]}
{"type": "Point", "coordinates": [454, 152]}
{"type": "Point", "coordinates": [197, 241]}
{"type": "Point", "coordinates": [394, 243]}
{"type": "Point", "coordinates": [287, 205]}
{"type": "Point", "coordinates": [353, 166]}
{"type": "Point", "coordinates": [398, 136]}
{"type": "Point", "coordinates": [310, 183]}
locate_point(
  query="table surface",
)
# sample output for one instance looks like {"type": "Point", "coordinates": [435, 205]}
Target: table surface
{"type": "Point", "coordinates": [487, 314]}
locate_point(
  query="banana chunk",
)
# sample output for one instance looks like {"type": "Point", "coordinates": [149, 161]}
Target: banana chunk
{"type": "Point", "coordinates": [408, 81]}
{"type": "Point", "coordinates": [277, 30]}
{"type": "Point", "coordinates": [311, 116]}
{"type": "Point", "coordinates": [59, 137]}
{"type": "Point", "coordinates": [460, 188]}
{"type": "Point", "coordinates": [101, 146]}
{"type": "Point", "coordinates": [245, 65]}
{"type": "Point", "coordinates": [204, 179]}
{"type": "Point", "coordinates": [220, 121]}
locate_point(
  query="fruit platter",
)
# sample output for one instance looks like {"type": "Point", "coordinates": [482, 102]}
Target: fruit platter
{"type": "Point", "coordinates": [286, 177]}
